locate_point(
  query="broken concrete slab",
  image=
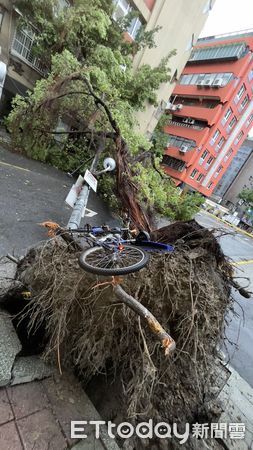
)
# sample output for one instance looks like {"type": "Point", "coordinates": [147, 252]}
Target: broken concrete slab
{"type": "Point", "coordinates": [8, 271]}
{"type": "Point", "coordinates": [10, 346]}
{"type": "Point", "coordinates": [30, 368]}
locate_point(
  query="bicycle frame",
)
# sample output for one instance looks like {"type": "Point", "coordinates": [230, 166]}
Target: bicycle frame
{"type": "Point", "coordinates": [91, 236]}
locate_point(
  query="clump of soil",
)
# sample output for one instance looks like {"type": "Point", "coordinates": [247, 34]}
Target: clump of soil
{"type": "Point", "coordinates": [188, 291]}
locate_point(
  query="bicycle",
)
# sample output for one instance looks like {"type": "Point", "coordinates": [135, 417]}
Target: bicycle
{"type": "Point", "coordinates": [113, 251]}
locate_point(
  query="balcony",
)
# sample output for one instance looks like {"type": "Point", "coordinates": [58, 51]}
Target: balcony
{"type": "Point", "coordinates": [176, 153]}
{"type": "Point", "coordinates": [210, 115]}
{"type": "Point", "coordinates": [187, 132]}
{"type": "Point", "coordinates": [22, 48]}
{"type": "Point", "coordinates": [185, 125]}
{"type": "Point", "coordinates": [221, 93]}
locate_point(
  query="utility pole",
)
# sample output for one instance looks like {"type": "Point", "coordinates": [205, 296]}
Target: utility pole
{"type": "Point", "coordinates": [82, 199]}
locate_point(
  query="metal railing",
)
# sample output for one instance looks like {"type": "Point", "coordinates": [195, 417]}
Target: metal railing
{"type": "Point", "coordinates": [22, 47]}
{"type": "Point", "coordinates": [185, 125]}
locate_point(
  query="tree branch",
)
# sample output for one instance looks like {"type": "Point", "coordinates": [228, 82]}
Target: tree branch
{"type": "Point", "coordinates": [166, 340]}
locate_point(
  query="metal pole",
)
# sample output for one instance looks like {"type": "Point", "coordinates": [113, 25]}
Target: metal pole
{"type": "Point", "coordinates": [82, 199]}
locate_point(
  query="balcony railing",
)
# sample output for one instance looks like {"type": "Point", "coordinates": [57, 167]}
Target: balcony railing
{"type": "Point", "coordinates": [22, 47]}
{"type": "Point", "coordinates": [185, 125]}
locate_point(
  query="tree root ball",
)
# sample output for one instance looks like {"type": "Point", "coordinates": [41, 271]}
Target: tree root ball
{"type": "Point", "coordinates": [188, 291]}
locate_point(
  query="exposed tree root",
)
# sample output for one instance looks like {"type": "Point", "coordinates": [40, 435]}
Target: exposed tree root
{"type": "Point", "coordinates": [89, 328]}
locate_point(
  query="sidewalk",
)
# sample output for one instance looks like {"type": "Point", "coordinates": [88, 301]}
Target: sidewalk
{"type": "Point", "coordinates": [37, 416]}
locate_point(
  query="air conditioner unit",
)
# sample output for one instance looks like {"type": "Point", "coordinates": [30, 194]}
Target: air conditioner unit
{"type": "Point", "coordinates": [217, 82]}
{"type": "Point", "coordinates": [208, 83]}
{"type": "Point", "coordinates": [201, 83]}
{"type": "Point", "coordinates": [169, 105]}
{"type": "Point", "coordinates": [188, 120]}
{"type": "Point", "coordinates": [184, 149]}
{"type": "Point", "coordinates": [179, 106]}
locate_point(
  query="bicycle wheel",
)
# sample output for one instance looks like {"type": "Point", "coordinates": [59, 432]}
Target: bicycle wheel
{"type": "Point", "coordinates": [101, 261]}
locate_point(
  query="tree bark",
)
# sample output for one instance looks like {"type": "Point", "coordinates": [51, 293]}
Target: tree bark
{"type": "Point", "coordinates": [166, 340]}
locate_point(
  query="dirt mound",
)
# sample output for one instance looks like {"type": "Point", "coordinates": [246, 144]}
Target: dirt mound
{"type": "Point", "coordinates": [188, 291]}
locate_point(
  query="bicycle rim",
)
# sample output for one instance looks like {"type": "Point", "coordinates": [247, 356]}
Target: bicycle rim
{"type": "Point", "coordinates": [101, 261]}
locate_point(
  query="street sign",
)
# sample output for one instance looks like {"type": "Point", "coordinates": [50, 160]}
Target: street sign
{"type": "Point", "coordinates": [91, 180]}
{"type": "Point", "coordinates": [74, 192]}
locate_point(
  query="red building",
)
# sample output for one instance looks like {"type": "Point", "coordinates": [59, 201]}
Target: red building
{"type": "Point", "coordinates": [211, 111]}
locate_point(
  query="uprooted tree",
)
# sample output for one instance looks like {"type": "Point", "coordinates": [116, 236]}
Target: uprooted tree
{"type": "Point", "coordinates": [91, 86]}
{"type": "Point", "coordinates": [87, 323]}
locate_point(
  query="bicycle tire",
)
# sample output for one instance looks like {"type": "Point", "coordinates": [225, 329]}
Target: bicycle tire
{"type": "Point", "coordinates": [144, 258]}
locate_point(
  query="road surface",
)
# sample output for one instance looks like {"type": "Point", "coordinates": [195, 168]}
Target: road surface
{"type": "Point", "coordinates": [239, 332]}
{"type": "Point", "coordinates": [32, 192]}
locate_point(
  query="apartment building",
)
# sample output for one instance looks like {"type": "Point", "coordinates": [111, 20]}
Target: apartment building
{"type": "Point", "coordinates": [211, 111]}
{"type": "Point", "coordinates": [180, 23]}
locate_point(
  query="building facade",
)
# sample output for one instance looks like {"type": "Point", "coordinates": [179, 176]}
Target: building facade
{"type": "Point", "coordinates": [180, 26]}
{"type": "Point", "coordinates": [211, 111]}
{"type": "Point", "coordinates": [179, 30]}
{"type": "Point", "coordinates": [22, 68]}
{"type": "Point", "coordinates": [238, 162]}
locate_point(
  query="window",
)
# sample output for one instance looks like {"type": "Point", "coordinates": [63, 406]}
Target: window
{"type": "Point", "coordinates": [231, 124]}
{"type": "Point", "coordinates": [220, 144]}
{"type": "Point", "coordinates": [209, 162]}
{"type": "Point", "coordinates": [239, 94]}
{"type": "Point", "coordinates": [173, 163]}
{"type": "Point", "coordinates": [203, 156]}
{"type": "Point", "coordinates": [218, 171]}
{"type": "Point", "coordinates": [185, 79]}
{"type": "Point", "coordinates": [194, 172]}
{"type": "Point", "coordinates": [177, 141]}
{"type": "Point", "coordinates": [249, 120]}
{"type": "Point", "coordinates": [228, 154]}
{"type": "Point", "coordinates": [250, 76]}
{"type": "Point", "coordinates": [122, 8]}
{"type": "Point", "coordinates": [200, 177]}
{"type": "Point", "coordinates": [239, 137]}
{"type": "Point", "coordinates": [227, 115]}
{"type": "Point", "coordinates": [134, 27]}
{"type": "Point", "coordinates": [22, 47]}
{"type": "Point", "coordinates": [215, 137]}
{"type": "Point", "coordinates": [244, 103]}
{"type": "Point", "coordinates": [207, 79]}
{"type": "Point", "coordinates": [227, 51]}
{"type": "Point", "coordinates": [210, 185]}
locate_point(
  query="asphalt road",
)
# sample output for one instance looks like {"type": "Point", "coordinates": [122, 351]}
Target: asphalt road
{"type": "Point", "coordinates": [32, 192]}
{"type": "Point", "coordinates": [239, 331]}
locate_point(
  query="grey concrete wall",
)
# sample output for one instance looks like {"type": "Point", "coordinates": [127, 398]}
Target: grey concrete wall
{"type": "Point", "coordinates": [244, 180]}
